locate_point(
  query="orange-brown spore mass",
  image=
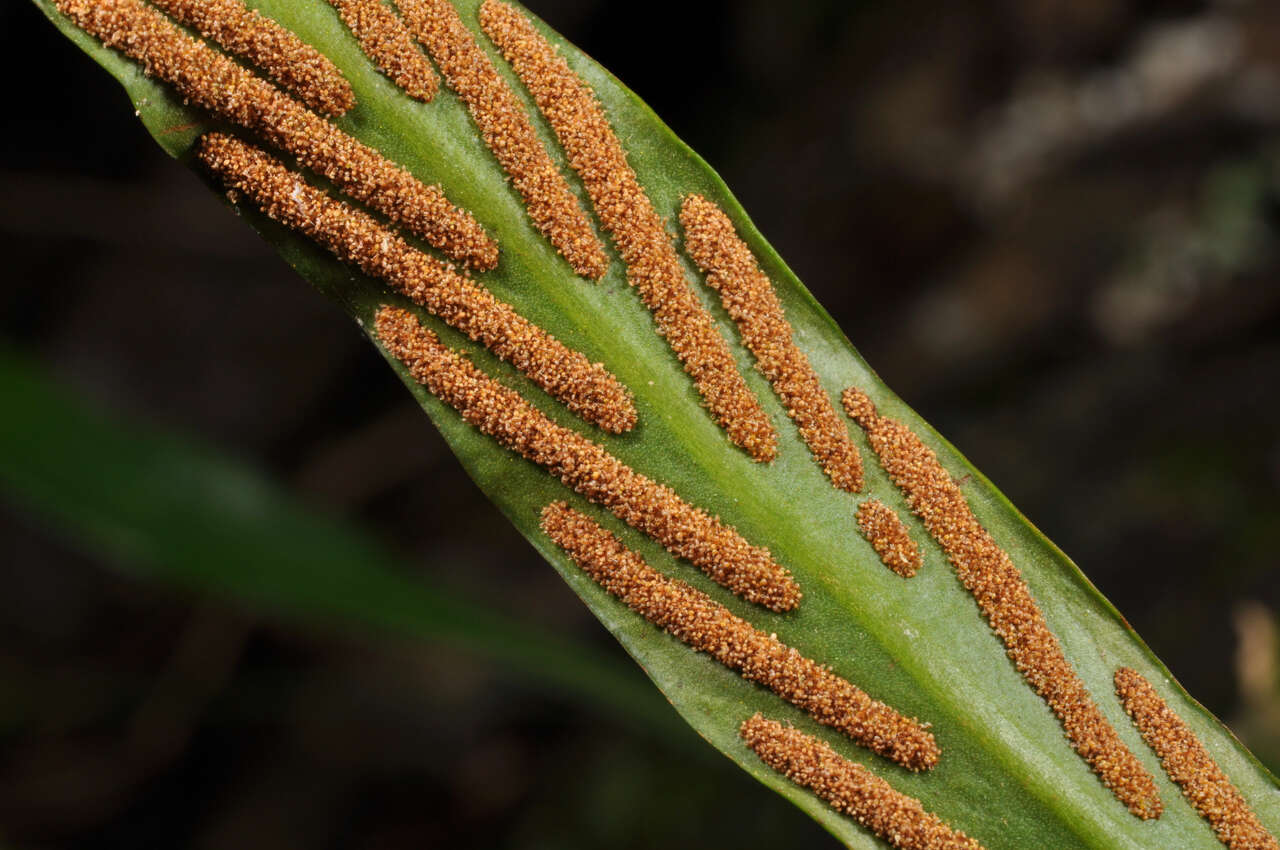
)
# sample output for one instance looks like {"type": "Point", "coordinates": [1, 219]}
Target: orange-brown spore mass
{"type": "Point", "coordinates": [850, 788]}
{"type": "Point", "coordinates": [1005, 599]}
{"type": "Point", "coordinates": [586, 388]}
{"type": "Point", "coordinates": [506, 128]}
{"type": "Point", "coordinates": [653, 266]}
{"type": "Point", "coordinates": [886, 533]}
{"type": "Point", "coordinates": [1189, 764]}
{"type": "Point", "coordinates": [287, 59]}
{"type": "Point", "coordinates": [707, 626]}
{"type": "Point", "coordinates": [653, 508]}
{"type": "Point", "coordinates": [386, 41]}
{"type": "Point", "coordinates": [214, 82]}
{"type": "Point", "coordinates": [749, 297]}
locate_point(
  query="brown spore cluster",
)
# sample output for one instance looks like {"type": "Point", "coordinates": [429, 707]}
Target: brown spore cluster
{"type": "Point", "coordinates": [386, 41]}
{"type": "Point", "coordinates": [508, 132]}
{"type": "Point", "coordinates": [655, 509]}
{"type": "Point", "coordinates": [586, 388]}
{"type": "Point", "coordinates": [297, 66]}
{"type": "Point", "coordinates": [749, 297]}
{"type": "Point", "coordinates": [214, 82]}
{"type": "Point", "coordinates": [885, 531]}
{"type": "Point", "coordinates": [1005, 599]}
{"type": "Point", "coordinates": [850, 788]}
{"type": "Point", "coordinates": [1189, 764]}
{"type": "Point", "coordinates": [707, 626]}
{"type": "Point", "coordinates": [653, 267]}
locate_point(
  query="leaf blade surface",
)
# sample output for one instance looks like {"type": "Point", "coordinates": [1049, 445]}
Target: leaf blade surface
{"type": "Point", "coordinates": [1008, 776]}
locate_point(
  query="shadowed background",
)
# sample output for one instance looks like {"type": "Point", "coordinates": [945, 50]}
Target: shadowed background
{"type": "Point", "coordinates": [1051, 225]}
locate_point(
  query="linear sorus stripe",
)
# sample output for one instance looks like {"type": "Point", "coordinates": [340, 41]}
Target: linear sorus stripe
{"type": "Point", "coordinates": [850, 788]}
{"type": "Point", "coordinates": [297, 66]}
{"type": "Point", "coordinates": [707, 626]}
{"type": "Point", "coordinates": [1002, 594]}
{"type": "Point", "coordinates": [1189, 764]}
{"type": "Point", "coordinates": [653, 267]}
{"type": "Point", "coordinates": [886, 533]}
{"type": "Point", "coordinates": [653, 508]}
{"type": "Point", "coordinates": [211, 80]}
{"type": "Point", "coordinates": [748, 296]}
{"type": "Point", "coordinates": [387, 42]}
{"type": "Point", "coordinates": [508, 132]}
{"type": "Point", "coordinates": [586, 388]}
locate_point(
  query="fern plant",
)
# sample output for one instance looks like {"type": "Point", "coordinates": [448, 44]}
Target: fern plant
{"type": "Point", "coordinates": [495, 217]}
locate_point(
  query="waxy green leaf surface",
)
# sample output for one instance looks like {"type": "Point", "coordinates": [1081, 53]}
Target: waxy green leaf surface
{"type": "Point", "coordinates": [1007, 775]}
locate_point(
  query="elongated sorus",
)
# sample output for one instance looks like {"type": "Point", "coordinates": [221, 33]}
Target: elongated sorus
{"type": "Point", "coordinates": [707, 626]}
{"type": "Point", "coordinates": [586, 388]}
{"type": "Point", "coordinates": [1005, 599]}
{"type": "Point", "coordinates": [1189, 764]}
{"type": "Point", "coordinates": [303, 71]}
{"type": "Point", "coordinates": [885, 531]}
{"type": "Point", "coordinates": [850, 788]}
{"type": "Point", "coordinates": [655, 509]}
{"type": "Point", "coordinates": [625, 210]}
{"type": "Point", "coordinates": [748, 296]}
{"type": "Point", "coordinates": [508, 132]}
{"type": "Point", "coordinates": [387, 43]}
{"type": "Point", "coordinates": [214, 82]}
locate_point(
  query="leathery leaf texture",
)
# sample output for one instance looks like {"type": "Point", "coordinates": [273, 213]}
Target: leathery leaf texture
{"type": "Point", "coordinates": [1007, 775]}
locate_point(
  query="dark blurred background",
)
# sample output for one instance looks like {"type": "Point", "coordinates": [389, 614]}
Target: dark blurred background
{"type": "Point", "coordinates": [1053, 226]}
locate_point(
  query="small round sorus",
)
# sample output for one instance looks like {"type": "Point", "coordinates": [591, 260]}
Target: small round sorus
{"type": "Point", "coordinates": [385, 40]}
{"type": "Point", "coordinates": [1189, 764]}
{"type": "Point", "coordinates": [850, 788]}
{"type": "Point", "coordinates": [655, 509]}
{"type": "Point", "coordinates": [214, 82]}
{"type": "Point", "coordinates": [707, 626]}
{"type": "Point", "coordinates": [886, 533]}
{"type": "Point", "coordinates": [748, 296]}
{"type": "Point", "coordinates": [586, 388]}
{"type": "Point", "coordinates": [297, 66]}
{"type": "Point", "coordinates": [1005, 599]}
{"type": "Point", "coordinates": [508, 132]}
{"type": "Point", "coordinates": [653, 267]}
